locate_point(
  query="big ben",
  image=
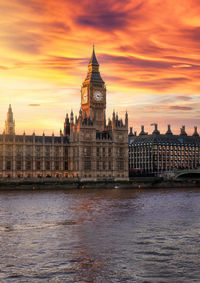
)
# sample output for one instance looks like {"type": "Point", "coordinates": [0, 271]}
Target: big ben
{"type": "Point", "coordinates": [93, 94]}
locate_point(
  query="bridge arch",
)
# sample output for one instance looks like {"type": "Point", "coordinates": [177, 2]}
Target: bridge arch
{"type": "Point", "coordinates": [188, 175]}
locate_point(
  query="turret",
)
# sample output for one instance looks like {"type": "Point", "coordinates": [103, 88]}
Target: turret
{"type": "Point", "coordinates": [169, 132]}
{"type": "Point", "coordinates": [67, 126]}
{"type": "Point", "coordinates": [126, 119]}
{"type": "Point", "coordinates": [131, 132]}
{"type": "Point", "coordinates": [142, 131]}
{"type": "Point", "coordinates": [72, 118]}
{"type": "Point", "coordinates": [155, 132]}
{"type": "Point", "coordinates": [183, 132]}
{"type": "Point", "coordinates": [113, 116]}
{"type": "Point", "coordinates": [9, 123]}
{"type": "Point", "coordinates": [195, 134]}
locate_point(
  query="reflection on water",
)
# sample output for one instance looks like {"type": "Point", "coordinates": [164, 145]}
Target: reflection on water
{"type": "Point", "coordinates": [100, 236]}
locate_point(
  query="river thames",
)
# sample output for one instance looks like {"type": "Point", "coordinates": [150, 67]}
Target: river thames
{"type": "Point", "coordinates": [104, 235]}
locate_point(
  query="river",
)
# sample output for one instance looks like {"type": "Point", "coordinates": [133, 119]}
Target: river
{"type": "Point", "coordinates": [104, 235]}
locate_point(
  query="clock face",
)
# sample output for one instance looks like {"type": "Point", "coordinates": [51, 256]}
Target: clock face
{"type": "Point", "coordinates": [84, 95]}
{"type": "Point", "coordinates": [98, 95]}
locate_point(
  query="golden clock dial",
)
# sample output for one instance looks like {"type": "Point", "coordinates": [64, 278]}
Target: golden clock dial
{"type": "Point", "coordinates": [84, 95]}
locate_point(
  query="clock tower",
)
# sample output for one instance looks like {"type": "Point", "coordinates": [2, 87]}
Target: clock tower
{"type": "Point", "coordinates": [93, 94]}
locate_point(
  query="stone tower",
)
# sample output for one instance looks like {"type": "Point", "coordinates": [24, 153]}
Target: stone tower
{"type": "Point", "coordinates": [9, 123]}
{"type": "Point", "coordinates": [98, 150]}
{"type": "Point", "coordinates": [93, 94]}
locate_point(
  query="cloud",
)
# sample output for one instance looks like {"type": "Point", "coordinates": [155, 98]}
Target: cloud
{"type": "Point", "coordinates": [192, 33]}
{"type": "Point", "coordinates": [148, 53]}
{"type": "Point", "coordinates": [183, 97]}
{"type": "Point", "coordinates": [135, 62]}
{"type": "Point", "coordinates": [4, 68]}
{"type": "Point", "coordinates": [34, 105]}
{"type": "Point", "coordinates": [108, 16]}
{"type": "Point", "coordinates": [182, 66]}
{"type": "Point", "coordinates": [182, 108]}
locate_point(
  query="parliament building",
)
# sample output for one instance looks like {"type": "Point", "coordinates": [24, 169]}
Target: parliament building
{"type": "Point", "coordinates": [89, 147]}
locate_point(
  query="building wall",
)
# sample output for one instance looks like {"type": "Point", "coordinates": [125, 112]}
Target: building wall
{"type": "Point", "coordinates": [163, 156]}
{"type": "Point", "coordinates": [32, 156]}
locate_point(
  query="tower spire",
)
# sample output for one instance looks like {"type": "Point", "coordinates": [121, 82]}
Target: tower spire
{"type": "Point", "coordinates": [10, 123]}
{"type": "Point", "coordinates": [93, 59]}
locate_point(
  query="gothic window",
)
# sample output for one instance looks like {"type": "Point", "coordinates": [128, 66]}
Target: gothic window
{"type": "Point", "coordinates": [87, 163]}
{"type": "Point", "coordinates": [120, 152]}
{"type": "Point", "coordinates": [1, 162]}
{"type": "Point", "coordinates": [97, 151]}
{"type": "Point", "coordinates": [56, 165]}
{"type": "Point", "coordinates": [47, 165]}
{"type": "Point", "coordinates": [28, 150]}
{"type": "Point", "coordinates": [109, 165]}
{"type": "Point", "coordinates": [18, 164]}
{"type": "Point", "coordinates": [120, 165]}
{"type": "Point", "coordinates": [38, 165]}
{"type": "Point", "coordinates": [104, 165]}
{"type": "Point", "coordinates": [66, 152]}
{"type": "Point", "coordinates": [38, 151]}
{"type": "Point", "coordinates": [87, 151]}
{"type": "Point", "coordinates": [98, 165]}
{"type": "Point", "coordinates": [66, 165]}
{"type": "Point", "coordinates": [28, 165]}
{"type": "Point", "coordinates": [8, 150]}
{"type": "Point", "coordinates": [56, 151]}
{"type": "Point", "coordinates": [8, 165]}
{"type": "Point", "coordinates": [47, 151]}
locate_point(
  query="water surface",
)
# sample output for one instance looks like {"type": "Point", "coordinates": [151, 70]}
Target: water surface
{"type": "Point", "coordinates": [104, 235]}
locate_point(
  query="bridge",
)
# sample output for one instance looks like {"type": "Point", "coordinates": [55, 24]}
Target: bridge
{"type": "Point", "coordinates": [184, 174]}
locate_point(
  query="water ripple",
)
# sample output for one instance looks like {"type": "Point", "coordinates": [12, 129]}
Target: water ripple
{"type": "Point", "coordinates": [100, 236]}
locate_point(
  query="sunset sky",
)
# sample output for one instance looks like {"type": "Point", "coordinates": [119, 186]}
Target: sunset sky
{"type": "Point", "coordinates": [148, 51]}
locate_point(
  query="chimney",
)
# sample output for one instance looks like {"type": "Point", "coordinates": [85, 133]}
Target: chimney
{"type": "Point", "coordinates": [169, 132]}
{"type": "Point", "coordinates": [195, 132]}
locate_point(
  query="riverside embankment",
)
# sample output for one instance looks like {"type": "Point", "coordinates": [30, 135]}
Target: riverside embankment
{"type": "Point", "coordinates": [134, 183]}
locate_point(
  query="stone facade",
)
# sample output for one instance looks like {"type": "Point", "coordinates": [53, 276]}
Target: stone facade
{"type": "Point", "coordinates": [90, 148]}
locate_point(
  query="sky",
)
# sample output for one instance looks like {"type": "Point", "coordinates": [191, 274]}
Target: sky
{"type": "Point", "coordinates": [148, 51]}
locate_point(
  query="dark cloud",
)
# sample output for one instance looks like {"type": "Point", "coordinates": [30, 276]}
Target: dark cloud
{"type": "Point", "coordinates": [108, 20]}
{"type": "Point", "coordinates": [183, 108]}
{"type": "Point", "coordinates": [142, 48]}
{"type": "Point", "coordinates": [133, 62]}
{"type": "Point", "coordinates": [59, 26]}
{"type": "Point", "coordinates": [108, 15]}
{"type": "Point", "coordinates": [183, 60]}
{"type": "Point", "coordinates": [34, 105]}
{"type": "Point", "coordinates": [192, 34]}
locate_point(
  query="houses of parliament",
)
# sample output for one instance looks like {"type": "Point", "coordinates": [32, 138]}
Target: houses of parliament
{"type": "Point", "coordinates": [89, 147]}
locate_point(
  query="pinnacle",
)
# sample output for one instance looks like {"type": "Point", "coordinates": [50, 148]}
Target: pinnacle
{"type": "Point", "coordinates": [93, 59]}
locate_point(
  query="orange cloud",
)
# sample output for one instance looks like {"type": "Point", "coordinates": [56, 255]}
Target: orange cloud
{"type": "Point", "coordinates": [147, 50]}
